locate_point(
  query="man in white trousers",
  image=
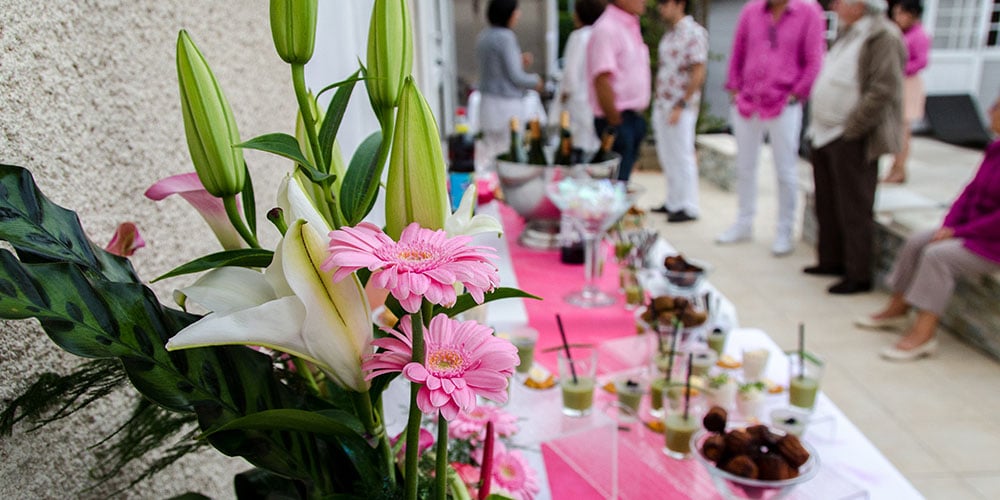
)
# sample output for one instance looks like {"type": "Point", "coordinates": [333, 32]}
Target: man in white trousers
{"type": "Point", "coordinates": [683, 52]}
{"type": "Point", "coordinates": [777, 53]}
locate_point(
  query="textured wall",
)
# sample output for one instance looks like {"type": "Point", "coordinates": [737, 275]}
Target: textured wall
{"type": "Point", "coordinates": [89, 102]}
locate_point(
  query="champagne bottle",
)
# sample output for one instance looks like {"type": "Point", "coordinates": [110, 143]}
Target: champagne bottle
{"type": "Point", "coordinates": [461, 159]}
{"type": "Point", "coordinates": [564, 155]}
{"type": "Point", "coordinates": [516, 152]}
{"type": "Point", "coordinates": [536, 154]}
{"type": "Point", "coordinates": [607, 142]}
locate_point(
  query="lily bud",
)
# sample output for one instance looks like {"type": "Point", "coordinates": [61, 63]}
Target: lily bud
{"type": "Point", "coordinates": [416, 187]}
{"type": "Point", "coordinates": [390, 53]}
{"type": "Point", "coordinates": [208, 123]}
{"type": "Point", "coordinates": [293, 28]}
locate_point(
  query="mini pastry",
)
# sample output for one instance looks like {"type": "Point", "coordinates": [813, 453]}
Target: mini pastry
{"type": "Point", "coordinates": [715, 420]}
{"type": "Point", "coordinates": [714, 448]}
{"type": "Point", "coordinates": [772, 467]}
{"type": "Point", "coordinates": [762, 436]}
{"type": "Point", "coordinates": [741, 465]}
{"type": "Point", "coordinates": [791, 448]}
{"type": "Point", "coordinates": [738, 442]}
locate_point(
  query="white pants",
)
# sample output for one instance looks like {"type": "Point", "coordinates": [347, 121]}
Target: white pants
{"type": "Point", "coordinates": [675, 150]}
{"type": "Point", "coordinates": [783, 132]}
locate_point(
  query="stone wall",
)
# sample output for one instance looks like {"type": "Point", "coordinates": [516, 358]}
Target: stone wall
{"type": "Point", "coordinates": [89, 103]}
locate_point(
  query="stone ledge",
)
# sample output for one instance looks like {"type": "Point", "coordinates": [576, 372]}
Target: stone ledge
{"type": "Point", "coordinates": [717, 159]}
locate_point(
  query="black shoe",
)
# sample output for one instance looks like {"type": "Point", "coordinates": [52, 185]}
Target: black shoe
{"type": "Point", "coordinates": [680, 216]}
{"type": "Point", "coordinates": [848, 287]}
{"type": "Point", "coordinates": [662, 209]}
{"type": "Point", "coordinates": [824, 270]}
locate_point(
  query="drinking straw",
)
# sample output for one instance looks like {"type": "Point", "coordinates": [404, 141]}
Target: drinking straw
{"type": "Point", "coordinates": [569, 358]}
{"type": "Point", "coordinates": [802, 350]}
{"type": "Point", "coordinates": [673, 348]}
{"type": "Point", "coordinates": [687, 387]}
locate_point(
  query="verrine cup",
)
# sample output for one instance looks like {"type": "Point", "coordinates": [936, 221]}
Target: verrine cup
{"type": "Point", "coordinates": [577, 377]}
{"type": "Point", "coordinates": [524, 339]}
{"type": "Point", "coordinates": [804, 376]}
{"type": "Point", "coordinates": [679, 427]}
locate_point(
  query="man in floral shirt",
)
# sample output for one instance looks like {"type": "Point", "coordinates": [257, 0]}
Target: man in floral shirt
{"type": "Point", "coordinates": [683, 52]}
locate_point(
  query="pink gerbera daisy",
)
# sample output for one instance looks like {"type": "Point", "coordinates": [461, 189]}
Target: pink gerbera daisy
{"type": "Point", "coordinates": [462, 360]}
{"type": "Point", "coordinates": [512, 475]}
{"type": "Point", "coordinates": [423, 264]}
{"type": "Point", "coordinates": [472, 425]}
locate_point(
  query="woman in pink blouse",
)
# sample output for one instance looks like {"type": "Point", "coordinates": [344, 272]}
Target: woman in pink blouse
{"type": "Point", "coordinates": [907, 14]}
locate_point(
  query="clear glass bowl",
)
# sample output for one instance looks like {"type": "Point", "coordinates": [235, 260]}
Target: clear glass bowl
{"type": "Point", "coordinates": [733, 486]}
{"type": "Point", "coordinates": [661, 281]}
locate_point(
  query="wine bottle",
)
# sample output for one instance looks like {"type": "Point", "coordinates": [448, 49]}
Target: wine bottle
{"type": "Point", "coordinates": [607, 142]}
{"type": "Point", "coordinates": [536, 153]}
{"type": "Point", "coordinates": [564, 155]}
{"type": "Point", "coordinates": [516, 152]}
{"type": "Point", "coordinates": [461, 159]}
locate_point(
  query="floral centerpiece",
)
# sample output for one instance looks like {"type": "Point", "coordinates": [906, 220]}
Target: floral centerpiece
{"type": "Point", "coordinates": [284, 367]}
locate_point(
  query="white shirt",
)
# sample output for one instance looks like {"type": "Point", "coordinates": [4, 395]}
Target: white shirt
{"type": "Point", "coordinates": [837, 90]}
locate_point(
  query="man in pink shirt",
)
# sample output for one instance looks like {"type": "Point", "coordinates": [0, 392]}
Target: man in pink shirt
{"type": "Point", "coordinates": [619, 75]}
{"type": "Point", "coordinates": [777, 52]}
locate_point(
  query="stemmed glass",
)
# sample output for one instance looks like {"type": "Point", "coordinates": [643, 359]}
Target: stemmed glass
{"type": "Point", "coordinates": [593, 206]}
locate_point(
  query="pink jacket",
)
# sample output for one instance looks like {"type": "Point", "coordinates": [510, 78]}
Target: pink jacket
{"type": "Point", "coordinates": [771, 61]}
{"type": "Point", "coordinates": [975, 215]}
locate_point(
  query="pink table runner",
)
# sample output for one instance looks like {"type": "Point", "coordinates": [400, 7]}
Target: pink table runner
{"type": "Point", "coordinates": [540, 273]}
{"type": "Point", "coordinates": [603, 461]}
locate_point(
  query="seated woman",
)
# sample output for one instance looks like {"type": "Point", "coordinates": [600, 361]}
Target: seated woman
{"type": "Point", "coordinates": [966, 245]}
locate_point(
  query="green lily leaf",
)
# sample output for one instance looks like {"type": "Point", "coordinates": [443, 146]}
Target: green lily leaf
{"type": "Point", "coordinates": [466, 302]}
{"type": "Point", "coordinates": [326, 423]}
{"type": "Point", "coordinates": [357, 195]}
{"type": "Point", "coordinates": [243, 257]}
{"type": "Point", "coordinates": [316, 176]}
{"type": "Point", "coordinates": [279, 144]}
{"type": "Point", "coordinates": [42, 231]}
{"type": "Point", "coordinates": [88, 314]}
{"type": "Point", "coordinates": [335, 114]}
{"type": "Point", "coordinates": [249, 202]}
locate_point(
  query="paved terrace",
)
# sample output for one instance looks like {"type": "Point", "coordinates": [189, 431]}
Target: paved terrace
{"type": "Point", "coordinates": [935, 419]}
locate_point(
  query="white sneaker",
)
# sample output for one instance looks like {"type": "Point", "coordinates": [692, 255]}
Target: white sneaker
{"type": "Point", "coordinates": [782, 246]}
{"type": "Point", "coordinates": [735, 234]}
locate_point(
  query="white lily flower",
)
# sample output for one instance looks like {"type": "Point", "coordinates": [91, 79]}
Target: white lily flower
{"type": "Point", "coordinates": [292, 307]}
{"type": "Point", "coordinates": [296, 203]}
{"type": "Point", "coordinates": [463, 222]}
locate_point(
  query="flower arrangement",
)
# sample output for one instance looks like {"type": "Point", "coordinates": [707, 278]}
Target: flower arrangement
{"type": "Point", "coordinates": [285, 368]}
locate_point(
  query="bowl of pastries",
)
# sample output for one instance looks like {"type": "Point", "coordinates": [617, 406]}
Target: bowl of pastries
{"type": "Point", "coordinates": [677, 275]}
{"type": "Point", "coordinates": [757, 461]}
{"type": "Point", "coordinates": [661, 311]}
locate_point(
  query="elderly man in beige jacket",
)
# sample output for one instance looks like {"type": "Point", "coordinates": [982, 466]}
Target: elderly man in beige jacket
{"type": "Point", "coordinates": [852, 121]}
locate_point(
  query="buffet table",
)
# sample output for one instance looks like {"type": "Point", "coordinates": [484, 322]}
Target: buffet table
{"type": "Point", "coordinates": [608, 455]}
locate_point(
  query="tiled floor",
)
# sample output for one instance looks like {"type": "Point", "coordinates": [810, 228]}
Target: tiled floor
{"type": "Point", "coordinates": [936, 419]}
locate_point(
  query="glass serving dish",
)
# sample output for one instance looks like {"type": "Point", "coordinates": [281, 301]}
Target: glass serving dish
{"type": "Point", "coordinates": [731, 486]}
{"type": "Point", "coordinates": [662, 281]}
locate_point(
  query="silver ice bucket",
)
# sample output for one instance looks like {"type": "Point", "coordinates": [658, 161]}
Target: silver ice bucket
{"type": "Point", "coordinates": [524, 186]}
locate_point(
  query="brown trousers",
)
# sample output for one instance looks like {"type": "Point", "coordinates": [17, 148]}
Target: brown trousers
{"type": "Point", "coordinates": [845, 195]}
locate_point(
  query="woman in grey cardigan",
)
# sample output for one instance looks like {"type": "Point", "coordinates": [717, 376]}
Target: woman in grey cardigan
{"type": "Point", "coordinates": [502, 78]}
